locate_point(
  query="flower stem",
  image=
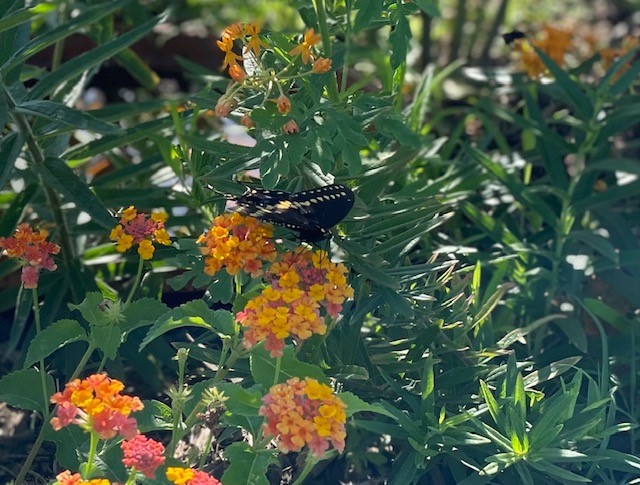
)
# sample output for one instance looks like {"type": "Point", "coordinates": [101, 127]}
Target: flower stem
{"type": "Point", "coordinates": [93, 446]}
{"type": "Point", "coordinates": [323, 26]}
{"type": "Point", "coordinates": [136, 282]}
{"type": "Point", "coordinates": [309, 462]}
{"type": "Point", "coordinates": [43, 371]}
{"type": "Point", "coordinates": [40, 439]}
{"type": "Point", "coordinates": [276, 376]}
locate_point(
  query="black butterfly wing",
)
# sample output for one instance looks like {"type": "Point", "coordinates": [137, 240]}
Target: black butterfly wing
{"type": "Point", "coordinates": [326, 206]}
{"type": "Point", "coordinates": [277, 208]}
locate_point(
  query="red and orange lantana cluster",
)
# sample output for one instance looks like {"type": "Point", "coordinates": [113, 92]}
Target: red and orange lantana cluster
{"type": "Point", "coordinates": [302, 283]}
{"type": "Point", "coordinates": [143, 454]}
{"type": "Point", "coordinates": [189, 476]}
{"type": "Point", "coordinates": [304, 412]}
{"type": "Point", "coordinates": [138, 228]}
{"type": "Point", "coordinates": [96, 404]}
{"type": "Point", "coordinates": [33, 250]}
{"type": "Point", "coordinates": [236, 243]}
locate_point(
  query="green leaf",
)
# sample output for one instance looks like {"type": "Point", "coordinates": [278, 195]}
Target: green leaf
{"type": "Point", "coordinates": [369, 12]}
{"type": "Point", "coordinates": [23, 389]}
{"type": "Point", "coordinates": [195, 313]}
{"type": "Point", "coordinates": [13, 214]}
{"type": "Point", "coordinates": [59, 112]}
{"type": "Point", "coordinates": [430, 7]}
{"type": "Point", "coordinates": [263, 367]}
{"type": "Point", "coordinates": [155, 416]}
{"type": "Point", "coordinates": [107, 338]}
{"type": "Point", "coordinates": [83, 62]}
{"type": "Point", "coordinates": [24, 14]}
{"type": "Point", "coordinates": [399, 38]}
{"type": "Point", "coordinates": [142, 312]}
{"type": "Point", "coordinates": [10, 147]}
{"type": "Point", "coordinates": [246, 465]}
{"type": "Point", "coordinates": [555, 471]}
{"type": "Point", "coordinates": [357, 405]}
{"type": "Point", "coordinates": [54, 337]}
{"type": "Point", "coordinates": [58, 175]}
{"type": "Point", "coordinates": [89, 16]}
{"type": "Point", "coordinates": [90, 308]}
{"type": "Point", "coordinates": [245, 402]}
{"type": "Point", "coordinates": [579, 100]}
{"type": "Point", "coordinates": [550, 371]}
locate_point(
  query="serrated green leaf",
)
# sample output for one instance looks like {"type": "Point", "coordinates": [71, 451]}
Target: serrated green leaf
{"type": "Point", "coordinates": [107, 338]}
{"type": "Point", "coordinates": [90, 308]}
{"type": "Point", "coordinates": [356, 405]}
{"type": "Point", "coordinates": [246, 465]}
{"type": "Point", "coordinates": [155, 416]}
{"type": "Point", "coordinates": [54, 337]}
{"type": "Point", "coordinates": [399, 39]}
{"type": "Point", "coordinates": [23, 389]}
{"type": "Point", "coordinates": [368, 12]}
{"type": "Point", "coordinates": [263, 367]}
{"type": "Point", "coordinates": [195, 313]}
{"type": "Point", "coordinates": [142, 312]}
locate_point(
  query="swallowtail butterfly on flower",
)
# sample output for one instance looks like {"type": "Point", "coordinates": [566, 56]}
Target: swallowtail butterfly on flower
{"type": "Point", "coordinates": [310, 213]}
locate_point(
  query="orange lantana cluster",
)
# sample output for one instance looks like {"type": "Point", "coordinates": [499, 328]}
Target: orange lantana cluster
{"type": "Point", "coordinates": [68, 478]}
{"type": "Point", "coordinates": [304, 413]}
{"type": "Point", "coordinates": [135, 228]}
{"type": "Point", "coordinates": [96, 405]}
{"type": "Point", "coordinates": [553, 41]}
{"type": "Point", "coordinates": [189, 476]}
{"type": "Point", "coordinates": [236, 242]}
{"type": "Point", "coordinates": [302, 283]}
{"type": "Point", "coordinates": [33, 250]}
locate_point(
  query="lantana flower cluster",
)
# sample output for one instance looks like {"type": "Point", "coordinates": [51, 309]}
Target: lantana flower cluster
{"type": "Point", "coordinates": [304, 412]}
{"type": "Point", "coordinates": [252, 75]}
{"type": "Point", "coordinates": [144, 454]}
{"type": "Point", "coordinates": [303, 283]}
{"type": "Point", "coordinates": [33, 250]}
{"type": "Point", "coordinates": [97, 405]}
{"type": "Point", "coordinates": [189, 476]}
{"type": "Point", "coordinates": [236, 243]}
{"type": "Point", "coordinates": [141, 229]}
{"type": "Point", "coordinates": [68, 478]}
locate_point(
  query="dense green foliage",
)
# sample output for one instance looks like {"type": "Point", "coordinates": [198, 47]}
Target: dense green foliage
{"type": "Point", "coordinates": [491, 337]}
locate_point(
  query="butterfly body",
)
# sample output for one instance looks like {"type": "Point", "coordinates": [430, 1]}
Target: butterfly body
{"type": "Point", "coordinates": [311, 213]}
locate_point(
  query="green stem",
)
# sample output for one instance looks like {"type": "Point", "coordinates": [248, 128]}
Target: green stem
{"type": "Point", "coordinates": [205, 450]}
{"type": "Point", "coordinates": [323, 26]}
{"type": "Point", "coordinates": [276, 376]}
{"type": "Point", "coordinates": [40, 439]}
{"type": "Point", "coordinates": [131, 480]}
{"type": "Point", "coordinates": [52, 197]}
{"type": "Point", "coordinates": [93, 446]}
{"type": "Point", "coordinates": [43, 374]}
{"type": "Point", "coordinates": [309, 462]}
{"type": "Point", "coordinates": [347, 45]}
{"type": "Point", "coordinates": [136, 282]}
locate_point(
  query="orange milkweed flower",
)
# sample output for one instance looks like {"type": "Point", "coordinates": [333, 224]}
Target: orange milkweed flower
{"type": "Point", "coordinates": [237, 243]}
{"type": "Point", "coordinates": [554, 42]}
{"type": "Point", "coordinates": [291, 127]}
{"type": "Point", "coordinates": [284, 104]}
{"type": "Point", "coordinates": [321, 65]}
{"type": "Point", "coordinates": [143, 453]}
{"type": "Point", "coordinates": [95, 404]}
{"type": "Point", "coordinates": [237, 73]}
{"type": "Point", "coordinates": [137, 228]}
{"type": "Point", "coordinates": [225, 44]}
{"type": "Point", "coordinates": [304, 48]}
{"type": "Point", "coordinates": [247, 121]}
{"type": "Point", "coordinates": [33, 250]}
{"type": "Point", "coordinates": [304, 412]}
{"type": "Point", "coordinates": [255, 43]}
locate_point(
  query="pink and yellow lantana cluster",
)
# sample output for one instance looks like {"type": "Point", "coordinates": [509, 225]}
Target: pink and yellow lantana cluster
{"type": "Point", "coordinates": [236, 243]}
{"type": "Point", "coordinates": [138, 228]}
{"type": "Point", "coordinates": [33, 250]}
{"type": "Point", "coordinates": [304, 412]}
{"type": "Point", "coordinates": [189, 476]}
{"type": "Point", "coordinates": [302, 283]}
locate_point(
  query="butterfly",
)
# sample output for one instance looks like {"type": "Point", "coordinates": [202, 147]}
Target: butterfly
{"type": "Point", "coordinates": [310, 213]}
{"type": "Point", "coordinates": [511, 37]}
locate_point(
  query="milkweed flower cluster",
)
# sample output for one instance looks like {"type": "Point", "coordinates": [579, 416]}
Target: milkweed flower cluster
{"type": "Point", "coordinates": [33, 250]}
{"type": "Point", "coordinates": [138, 228]}
{"type": "Point", "coordinates": [189, 476]}
{"type": "Point", "coordinates": [237, 243]}
{"type": "Point", "coordinates": [143, 454]}
{"type": "Point", "coordinates": [97, 405]}
{"type": "Point", "coordinates": [611, 54]}
{"type": "Point", "coordinates": [304, 412]}
{"type": "Point", "coordinates": [68, 478]}
{"type": "Point", "coordinates": [248, 72]}
{"type": "Point", "coordinates": [554, 42]}
{"type": "Point", "coordinates": [302, 283]}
